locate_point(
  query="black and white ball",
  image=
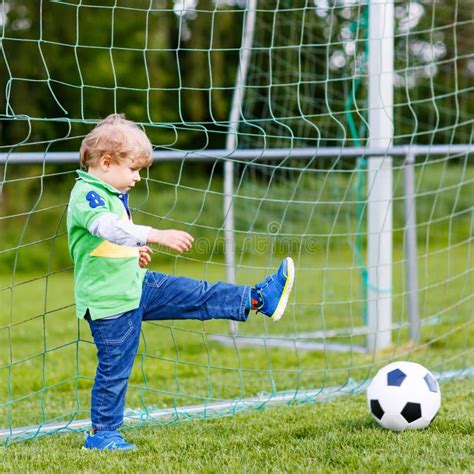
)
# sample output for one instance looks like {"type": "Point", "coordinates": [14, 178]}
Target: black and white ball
{"type": "Point", "coordinates": [404, 395]}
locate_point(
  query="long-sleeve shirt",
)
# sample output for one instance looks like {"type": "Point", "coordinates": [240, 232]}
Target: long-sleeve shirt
{"type": "Point", "coordinates": [103, 243]}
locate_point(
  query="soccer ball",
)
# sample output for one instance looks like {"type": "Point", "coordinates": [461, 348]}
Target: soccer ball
{"type": "Point", "coordinates": [403, 395]}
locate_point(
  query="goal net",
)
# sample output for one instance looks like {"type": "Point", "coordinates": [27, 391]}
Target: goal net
{"type": "Point", "coordinates": [263, 118]}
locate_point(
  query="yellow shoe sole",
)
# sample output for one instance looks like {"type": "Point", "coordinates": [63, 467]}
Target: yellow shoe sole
{"type": "Point", "coordinates": [280, 309]}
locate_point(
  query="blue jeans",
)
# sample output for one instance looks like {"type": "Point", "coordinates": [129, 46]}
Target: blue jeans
{"type": "Point", "coordinates": [163, 297]}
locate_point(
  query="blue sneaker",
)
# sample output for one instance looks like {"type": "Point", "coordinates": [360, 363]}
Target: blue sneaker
{"type": "Point", "coordinates": [107, 440]}
{"type": "Point", "coordinates": [275, 290]}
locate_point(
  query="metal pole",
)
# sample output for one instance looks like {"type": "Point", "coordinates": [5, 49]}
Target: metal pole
{"type": "Point", "coordinates": [231, 142]}
{"type": "Point", "coordinates": [411, 245]}
{"type": "Point", "coordinates": [259, 154]}
{"type": "Point", "coordinates": [381, 20]}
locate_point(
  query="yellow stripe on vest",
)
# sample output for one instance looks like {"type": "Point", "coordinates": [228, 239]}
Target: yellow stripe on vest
{"type": "Point", "coordinates": [109, 250]}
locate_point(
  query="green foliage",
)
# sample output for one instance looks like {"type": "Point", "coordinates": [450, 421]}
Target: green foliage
{"type": "Point", "coordinates": [175, 70]}
{"type": "Point", "coordinates": [309, 75]}
{"type": "Point", "coordinates": [152, 64]}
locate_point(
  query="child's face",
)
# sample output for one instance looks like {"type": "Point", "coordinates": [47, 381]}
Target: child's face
{"type": "Point", "coordinates": [123, 176]}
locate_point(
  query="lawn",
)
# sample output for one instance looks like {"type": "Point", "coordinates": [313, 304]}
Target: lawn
{"type": "Point", "coordinates": [337, 436]}
{"type": "Point", "coordinates": [47, 358]}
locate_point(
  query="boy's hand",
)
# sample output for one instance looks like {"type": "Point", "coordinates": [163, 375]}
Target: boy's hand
{"type": "Point", "coordinates": [173, 239]}
{"type": "Point", "coordinates": [144, 258]}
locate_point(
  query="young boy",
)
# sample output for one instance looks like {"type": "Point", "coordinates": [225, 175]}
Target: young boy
{"type": "Point", "coordinates": [115, 293]}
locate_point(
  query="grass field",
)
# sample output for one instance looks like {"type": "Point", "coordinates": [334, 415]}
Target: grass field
{"type": "Point", "coordinates": [48, 360]}
{"type": "Point", "coordinates": [337, 436]}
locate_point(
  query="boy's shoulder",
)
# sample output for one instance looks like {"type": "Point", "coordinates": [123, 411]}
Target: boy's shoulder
{"type": "Point", "coordinates": [90, 188]}
{"type": "Point", "coordinates": [84, 191]}
{"type": "Point", "coordinates": [89, 196]}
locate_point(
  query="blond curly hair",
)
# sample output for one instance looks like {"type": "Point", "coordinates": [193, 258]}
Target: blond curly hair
{"type": "Point", "coordinates": [119, 138]}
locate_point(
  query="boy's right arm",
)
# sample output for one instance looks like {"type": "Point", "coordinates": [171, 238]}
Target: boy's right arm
{"type": "Point", "coordinates": [109, 227]}
{"type": "Point", "coordinates": [174, 239]}
{"type": "Point", "coordinates": [92, 212]}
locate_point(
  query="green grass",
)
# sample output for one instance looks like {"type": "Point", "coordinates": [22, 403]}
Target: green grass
{"type": "Point", "coordinates": [337, 436]}
{"type": "Point", "coordinates": [47, 358]}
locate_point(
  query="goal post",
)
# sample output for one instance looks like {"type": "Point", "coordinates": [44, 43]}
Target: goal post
{"type": "Point", "coordinates": [380, 176]}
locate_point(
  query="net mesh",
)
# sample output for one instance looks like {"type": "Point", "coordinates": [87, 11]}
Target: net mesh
{"type": "Point", "coordinates": [172, 67]}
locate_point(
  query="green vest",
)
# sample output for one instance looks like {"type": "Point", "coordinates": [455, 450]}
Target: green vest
{"type": "Point", "coordinates": [107, 278]}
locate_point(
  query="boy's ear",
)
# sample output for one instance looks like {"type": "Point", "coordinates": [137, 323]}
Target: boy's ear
{"type": "Point", "coordinates": [105, 162]}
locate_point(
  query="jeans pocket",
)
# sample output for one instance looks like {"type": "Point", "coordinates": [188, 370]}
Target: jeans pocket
{"type": "Point", "coordinates": [155, 279]}
{"type": "Point", "coordinates": [116, 331]}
